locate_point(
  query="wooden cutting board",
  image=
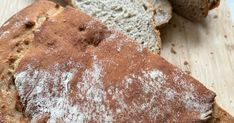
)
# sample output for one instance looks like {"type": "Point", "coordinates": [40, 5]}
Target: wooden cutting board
{"type": "Point", "coordinates": [206, 47]}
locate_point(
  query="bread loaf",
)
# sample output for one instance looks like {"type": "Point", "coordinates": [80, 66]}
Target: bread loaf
{"type": "Point", "coordinates": [137, 19]}
{"type": "Point", "coordinates": [75, 69]}
{"type": "Point", "coordinates": [194, 9]}
{"type": "Point", "coordinates": [16, 36]}
{"type": "Point", "coordinates": [69, 67]}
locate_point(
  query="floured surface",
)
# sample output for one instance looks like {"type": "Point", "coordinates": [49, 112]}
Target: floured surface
{"type": "Point", "coordinates": [90, 73]}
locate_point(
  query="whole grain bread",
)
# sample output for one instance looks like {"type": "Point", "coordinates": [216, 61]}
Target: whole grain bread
{"type": "Point", "coordinates": [137, 19]}
{"type": "Point", "coordinates": [88, 73]}
{"type": "Point", "coordinates": [194, 9]}
{"type": "Point", "coordinates": [15, 37]}
{"type": "Point", "coordinates": [92, 73]}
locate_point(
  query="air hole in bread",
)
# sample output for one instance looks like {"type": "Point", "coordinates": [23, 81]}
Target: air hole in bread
{"type": "Point", "coordinates": [82, 28]}
{"type": "Point", "coordinates": [12, 59]}
{"type": "Point", "coordinates": [12, 80]}
{"type": "Point", "coordinates": [145, 7]}
{"type": "Point", "coordinates": [29, 24]}
{"type": "Point", "coordinates": [119, 10]}
{"type": "Point", "coordinates": [17, 44]}
{"type": "Point", "coordinates": [26, 42]}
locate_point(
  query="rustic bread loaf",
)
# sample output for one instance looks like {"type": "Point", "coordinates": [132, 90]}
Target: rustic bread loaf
{"type": "Point", "coordinates": [88, 73]}
{"type": "Point", "coordinates": [194, 9]}
{"type": "Point", "coordinates": [15, 37]}
{"type": "Point", "coordinates": [76, 69]}
{"type": "Point", "coordinates": [137, 19]}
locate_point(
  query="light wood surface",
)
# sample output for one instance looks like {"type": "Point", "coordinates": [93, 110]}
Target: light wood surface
{"type": "Point", "coordinates": [207, 46]}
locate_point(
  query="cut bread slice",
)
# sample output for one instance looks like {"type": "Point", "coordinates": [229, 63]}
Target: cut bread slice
{"type": "Point", "coordinates": [135, 18]}
{"type": "Point", "coordinates": [194, 9]}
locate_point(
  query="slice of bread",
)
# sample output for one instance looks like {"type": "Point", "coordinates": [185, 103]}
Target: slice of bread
{"type": "Point", "coordinates": [136, 18]}
{"type": "Point", "coordinates": [194, 9]}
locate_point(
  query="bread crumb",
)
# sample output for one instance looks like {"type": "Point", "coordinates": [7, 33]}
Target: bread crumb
{"type": "Point", "coordinates": [186, 63]}
{"type": "Point", "coordinates": [216, 16]}
{"type": "Point", "coordinates": [173, 50]}
{"type": "Point", "coordinates": [172, 44]}
{"type": "Point", "coordinates": [211, 53]}
{"type": "Point", "coordinates": [187, 72]}
{"type": "Point", "coordinates": [212, 84]}
{"type": "Point", "coordinates": [225, 36]}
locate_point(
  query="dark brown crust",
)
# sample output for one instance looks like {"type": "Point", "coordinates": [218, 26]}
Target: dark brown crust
{"type": "Point", "coordinates": [213, 4]}
{"type": "Point", "coordinates": [220, 115]}
{"type": "Point", "coordinates": [193, 9]}
{"type": "Point", "coordinates": [108, 56]}
{"type": "Point", "coordinates": [15, 37]}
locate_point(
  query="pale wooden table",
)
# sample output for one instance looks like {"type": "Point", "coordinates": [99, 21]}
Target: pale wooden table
{"type": "Point", "coordinates": [207, 46]}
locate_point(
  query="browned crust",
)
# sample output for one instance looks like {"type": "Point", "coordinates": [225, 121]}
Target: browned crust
{"type": "Point", "coordinates": [213, 4]}
{"type": "Point", "coordinates": [193, 9]}
{"type": "Point", "coordinates": [220, 115]}
{"type": "Point", "coordinates": [15, 37]}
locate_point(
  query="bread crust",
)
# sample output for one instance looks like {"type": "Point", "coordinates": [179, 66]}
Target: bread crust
{"type": "Point", "coordinates": [194, 9]}
{"type": "Point", "coordinates": [15, 37]}
{"type": "Point", "coordinates": [220, 115]}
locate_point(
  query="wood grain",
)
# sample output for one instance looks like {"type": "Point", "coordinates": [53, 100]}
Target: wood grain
{"type": "Point", "coordinates": [207, 46]}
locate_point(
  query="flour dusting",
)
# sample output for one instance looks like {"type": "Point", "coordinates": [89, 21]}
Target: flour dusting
{"type": "Point", "coordinates": [33, 87]}
{"type": "Point", "coordinates": [3, 34]}
{"type": "Point", "coordinates": [45, 94]}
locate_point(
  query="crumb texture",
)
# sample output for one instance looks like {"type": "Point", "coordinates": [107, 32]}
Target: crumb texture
{"type": "Point", "coordinates": [134, 18]}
